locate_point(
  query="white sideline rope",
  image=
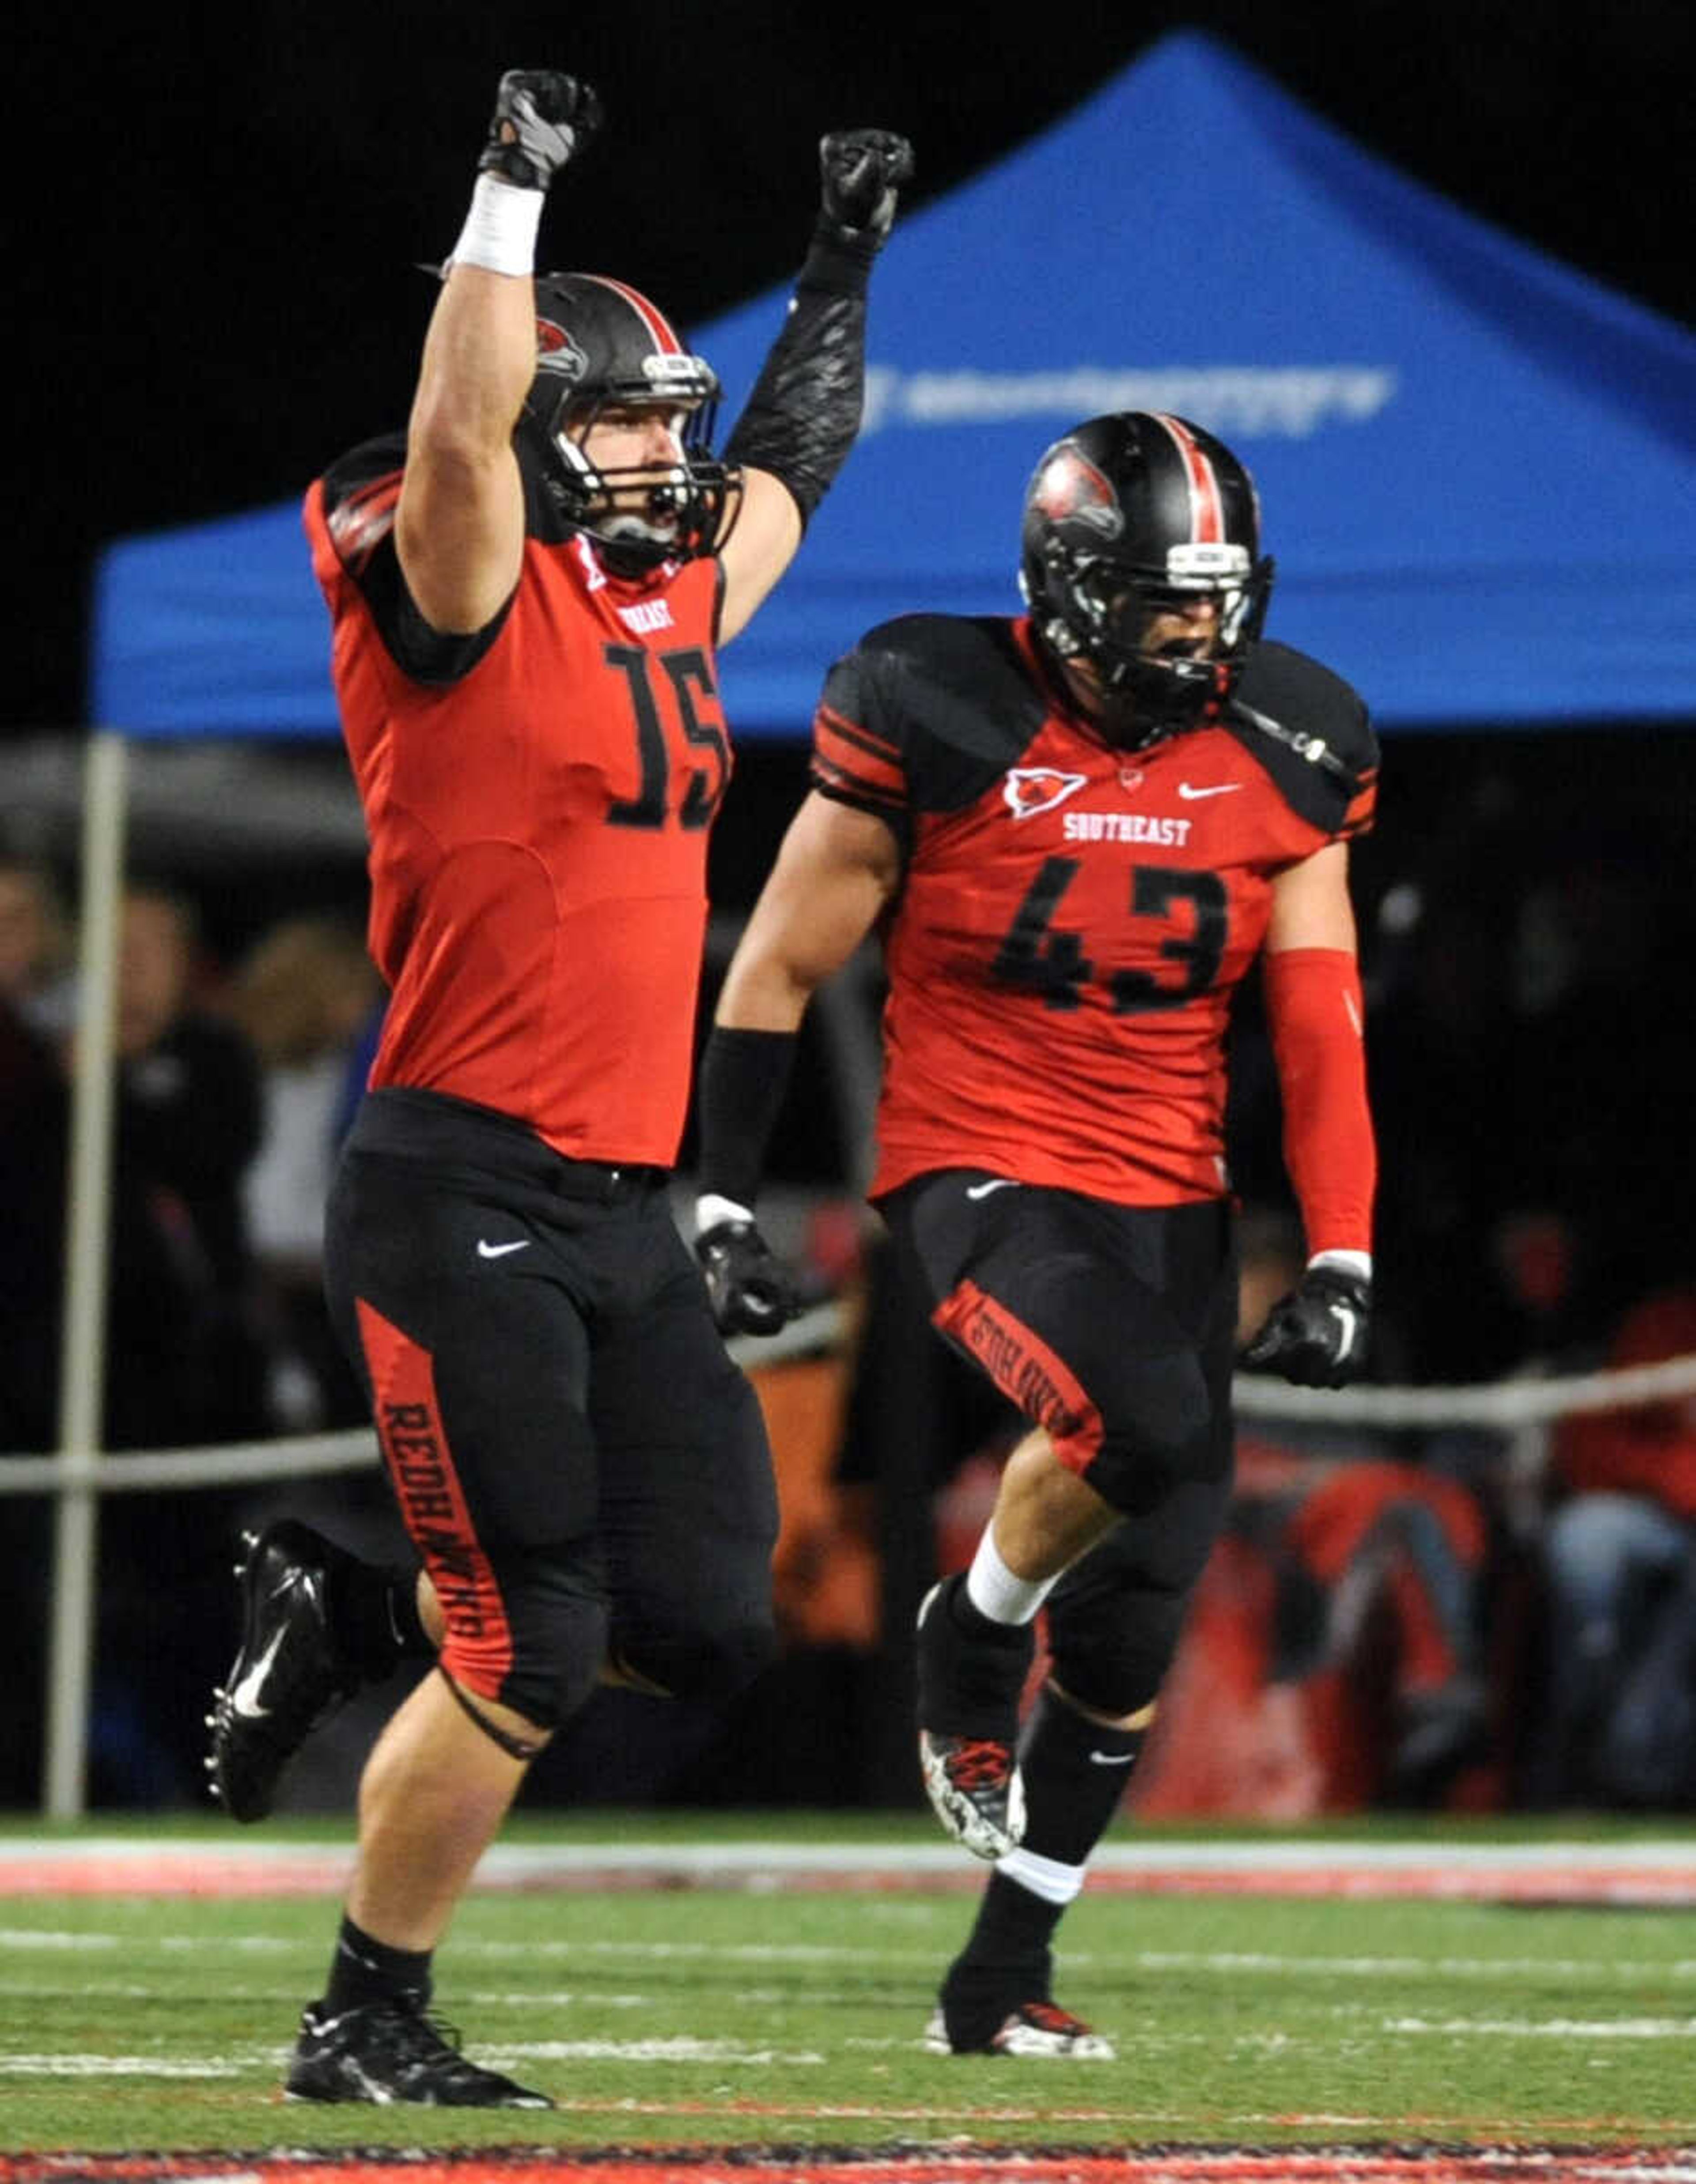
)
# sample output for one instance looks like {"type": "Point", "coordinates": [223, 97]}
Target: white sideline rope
{"type": "Point", "coordinates": [305, 1456]}
{"type": "Point", "coordinates": [1501, 1407]}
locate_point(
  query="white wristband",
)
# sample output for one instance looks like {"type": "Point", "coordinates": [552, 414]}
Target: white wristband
{"type": "Point", "coordinates": [1346, 1263]}
{"type": "Point", "coordinates": [499, 233]}
{"type": "Point", "coordinates": [710, 1209]}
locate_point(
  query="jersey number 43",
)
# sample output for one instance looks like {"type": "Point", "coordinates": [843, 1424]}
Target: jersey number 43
{"type": "Point", "coordinates": [1050, 960]}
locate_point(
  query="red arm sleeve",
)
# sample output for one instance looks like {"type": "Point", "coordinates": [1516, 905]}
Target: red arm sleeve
{"type": "Point", "coordinates": [1313, 1005]}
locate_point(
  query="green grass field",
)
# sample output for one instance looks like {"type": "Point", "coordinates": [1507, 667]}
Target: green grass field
{"type": "Point", "coordinates": [793, 2016]}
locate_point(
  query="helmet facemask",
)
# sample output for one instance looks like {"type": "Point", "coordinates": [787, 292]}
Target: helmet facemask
{"type": "Point", "coordinates": [643, 514]}
{"type": "Point", "coordinates": [1103, 612]}
{"type": "Point", "coordinates": [603, 349]}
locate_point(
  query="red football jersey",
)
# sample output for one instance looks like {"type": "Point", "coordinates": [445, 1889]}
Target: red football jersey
{"type": "Point", "coordinates": [538, 798]}
{"type": "Point", "coordinates": [1074, 919]}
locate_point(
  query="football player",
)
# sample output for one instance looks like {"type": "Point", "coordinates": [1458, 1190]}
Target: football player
{"type": "Point", "coordinates": [1079, 830]}
{"type": "Point", "coordinates": [527, 593]}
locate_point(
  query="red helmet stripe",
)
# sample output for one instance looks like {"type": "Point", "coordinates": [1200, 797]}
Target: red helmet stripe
{"type": "Point", "coordinates": [658, 327]}
{"type": "Point", "coordinates": [1207, 504]}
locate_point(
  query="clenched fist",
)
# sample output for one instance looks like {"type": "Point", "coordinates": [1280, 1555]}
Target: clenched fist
{"type": "Point", "coordinates": [862, 170]}
{"type": "Point", "coordinates": [542, 119]}
{"type": "Point", "coordinates": [1316, 1336]}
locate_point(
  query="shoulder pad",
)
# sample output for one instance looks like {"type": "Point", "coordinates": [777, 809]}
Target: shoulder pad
{"type": "Point", "coordinates": [361, 493]}
{"type": "Point", "coordinates": [361, 489]}
{"type": "Point", "coordinates": [1310, 732]}
{"type": "Point", "coordinates": [950, 692]}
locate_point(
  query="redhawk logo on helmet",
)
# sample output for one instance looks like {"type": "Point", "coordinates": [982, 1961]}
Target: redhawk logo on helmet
{"type": "Point", "coordinates": [1132, 521]}
{"type": "Point", "coordinates": [1068, 489]}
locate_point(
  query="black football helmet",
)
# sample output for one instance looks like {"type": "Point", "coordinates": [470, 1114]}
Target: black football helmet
{"type": "Point", "coordinates": [602, 345]}
{"type": "Point", "coordinates": [1127, 517]}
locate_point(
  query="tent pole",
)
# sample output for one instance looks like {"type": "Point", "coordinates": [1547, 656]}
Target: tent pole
{"type": "Point", "coordinates": [82, 1360]}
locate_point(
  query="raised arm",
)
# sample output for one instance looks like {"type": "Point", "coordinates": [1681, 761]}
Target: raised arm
{"type": "Point", "coordinates": [460, 524]}
{"type": "Point", "coordinates": [804, 412]}
{"type": "Point", "coordinates": [837, 868]}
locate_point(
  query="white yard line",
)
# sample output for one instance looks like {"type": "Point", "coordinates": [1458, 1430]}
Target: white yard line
{"type": "Point", "coordinates": [515, 1865]}
{"type": "Point", "coordinates": [1223, 1962]}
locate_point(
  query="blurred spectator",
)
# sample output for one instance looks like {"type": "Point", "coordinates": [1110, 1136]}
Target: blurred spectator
{"type": "Point", "coordinates": [1620, 1562]}
{"type": "Point", "coordinates": [1332, 1658]}
{"type": "Point", "coordinates": [187, 1363]}
{"type": "Point", "coordinates": [1522, 1018]}
{"type": "Point", "coordinates": [305, 996]}
{"type": "Point", "coordinates": [182, 1361]}
{"type": "Point", "coordinates": [32, 1196]}
{"type": "Point", "coordinates": [32, 1154]}
{"type": "Point", "coordinates": [33, 938]}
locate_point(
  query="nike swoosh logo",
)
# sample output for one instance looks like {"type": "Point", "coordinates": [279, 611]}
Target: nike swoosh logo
{"type": "Point", "coordinates": [983, 1189]}
{"type": "Point", "coordinates": [244, 1700]}
{"type": "Point", "coordinates": [1346, 1320]}
{"type": "Point", "coordinates": [499, 1251]}
{"type": "Point", "coordinates": [1220, 788]}
{"type": "Point", "coordinates": [1113, 1758]}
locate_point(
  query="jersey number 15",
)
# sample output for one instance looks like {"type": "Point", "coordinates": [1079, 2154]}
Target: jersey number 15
{"type": "Point", "coordinates": [687, 672]}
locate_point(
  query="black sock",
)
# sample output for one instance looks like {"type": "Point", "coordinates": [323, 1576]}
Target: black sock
{"type": "Point", "coordinates": [1070, 1796]}
{"type": "Point", "coordinates": [970, 1619]}
{"type": "Point", "coordinates": [374, 1609]}
{"type": "Point", "coordinates": [1006, 1961]}
{"type": "Point", "coordinates": [1074, 1776]}
{"type": "Point", "coordinates": [365, 1970]}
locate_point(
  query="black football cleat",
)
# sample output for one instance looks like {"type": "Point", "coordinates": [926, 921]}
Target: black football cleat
{"type": "Point", "coordinates": [291, 1673]}
{"type": "Point", "coordinates": [969, 1693]}
{"type": "Point", "coordinates": [389, 2052]}
{"type": "Point", "coordinates": [1040, 2029]}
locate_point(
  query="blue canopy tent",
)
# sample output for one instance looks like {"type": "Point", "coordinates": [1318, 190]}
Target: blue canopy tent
{"type": "Point", "coordinates": [1477, 468]}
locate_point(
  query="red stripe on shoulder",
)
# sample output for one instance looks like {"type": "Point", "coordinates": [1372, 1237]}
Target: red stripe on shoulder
{"type": "Point", "coordinates": [358, 524]}
{"type": "Point", "coordinates": [862, 757]}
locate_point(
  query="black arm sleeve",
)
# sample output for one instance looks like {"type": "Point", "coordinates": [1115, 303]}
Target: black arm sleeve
{"type": "Point", "coordinates": [804, 412]}
{"type": "Point", "coordinates": [744, 1077]}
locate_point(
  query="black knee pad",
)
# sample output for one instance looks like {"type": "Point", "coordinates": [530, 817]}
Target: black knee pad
{"type": "Point", "coordinates": [707, 1660]}
{"type": "Point", "coordinates": [1161, 1421]}
{"type": "Point", "coordinates": [1112, 1635]}
{"type": "Point", "coordinates": [555, 1608]}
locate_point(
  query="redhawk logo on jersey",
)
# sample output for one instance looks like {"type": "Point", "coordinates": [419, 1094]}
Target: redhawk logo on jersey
{"type": "Point", "coordinates": [1029, 790]}
{"type": "Point", "coordinates": [1071, 490]}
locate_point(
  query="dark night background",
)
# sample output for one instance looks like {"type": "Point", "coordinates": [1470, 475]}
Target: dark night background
{"type": "Point", "coordinates": [219, 209]}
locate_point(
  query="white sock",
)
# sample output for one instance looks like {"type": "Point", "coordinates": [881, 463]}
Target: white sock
{"type": "Point", "coordinates": [1043, 1876]}
{"type": "Point", "coordinates": [994, 1591]}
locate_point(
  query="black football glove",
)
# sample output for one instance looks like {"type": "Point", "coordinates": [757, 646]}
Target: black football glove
{"type": "Point", "coordinates": [749, 1288]}
{"type": "Point", "coordinates": [542, 119]}
{"type": "Point", "coordinates": [1316, 1336]}
{"type": "Point", "coordinates": [862, 170]}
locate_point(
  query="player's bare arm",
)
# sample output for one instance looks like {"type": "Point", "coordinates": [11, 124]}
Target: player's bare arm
{"type": "Point", "coordinates": [459, 527]}
{"type": "Point", "coordinates": [835, 870]}
{"type": "Point", "coordinates": [765, 541]}
{"type": "Point", "coordinates": [1311, 904]}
